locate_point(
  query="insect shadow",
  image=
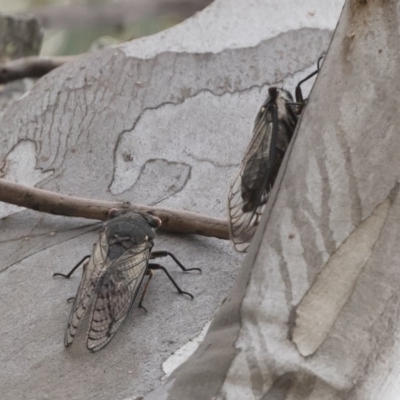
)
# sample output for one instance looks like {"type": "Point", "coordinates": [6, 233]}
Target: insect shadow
{"type": "Point", "coordinates": [112, 277]}
{"type": "Point", "coordinates": [250, 188]}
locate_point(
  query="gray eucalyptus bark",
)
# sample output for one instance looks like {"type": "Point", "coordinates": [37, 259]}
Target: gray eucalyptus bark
{"type": "Point", "coordinates": [164, 121]}
{"type": "Point", "coordinates": [314, 313]}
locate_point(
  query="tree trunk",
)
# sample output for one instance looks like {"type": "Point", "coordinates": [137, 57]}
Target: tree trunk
{"type": "Point", "coordinates": [163, 121]}
{"type": "Point", "coordinates": [314, 313]}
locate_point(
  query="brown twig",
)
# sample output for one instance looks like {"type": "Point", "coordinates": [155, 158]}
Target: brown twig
{"type": "Point", "coordinates": [123, 12]}
{"type": "Point", "coordinates": [70, 206]}
{"type": "Point", "coordinates": [30, 67]}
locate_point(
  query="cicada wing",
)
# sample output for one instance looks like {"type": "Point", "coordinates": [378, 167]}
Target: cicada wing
{"type": "Point", "coordinates": [250, 188]}
{"type": "Point", "coordinates": [90, 277]}
{"type": "Point", "coordinates": [116, 293]}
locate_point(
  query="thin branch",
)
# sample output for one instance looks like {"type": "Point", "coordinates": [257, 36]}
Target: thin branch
{"type": "Point", "coordinates": [30, 67]}
{"type": "Point", "coordinates": [70, 206]}
{"type": "Point", "coordinates": [78, 16]}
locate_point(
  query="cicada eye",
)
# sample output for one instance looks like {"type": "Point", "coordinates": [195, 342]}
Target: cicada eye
{"type": "Point", "coordinates": [273, 90]}
{"type": "Point", "coordinates": [153, 221]}
{"type": "Point", "coordinates": [159, 221]}
{"type": "Point", "coordinates": [115, 212]}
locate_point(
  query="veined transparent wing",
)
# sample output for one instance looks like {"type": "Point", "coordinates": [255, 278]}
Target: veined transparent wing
{"type": "Point", "coordinates": [116, 292]}
{"type": "Point", "coordinates": [249, 192]}
{"type": "Point", "coordinates": [250, 188]}
{"type": "Point", "coordinates": [90, 278]}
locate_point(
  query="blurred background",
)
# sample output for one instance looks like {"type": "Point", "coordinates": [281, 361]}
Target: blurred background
{"type": "Point", "coordinates": [76, 26]}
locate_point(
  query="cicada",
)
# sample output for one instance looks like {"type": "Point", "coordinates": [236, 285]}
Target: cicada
{"type": "Point", "coordinates": [249, 191]}
{"type": "Point", "coordinates": [112, 277]}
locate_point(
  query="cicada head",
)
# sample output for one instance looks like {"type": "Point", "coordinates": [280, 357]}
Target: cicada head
{"type": "Point", "coordinates": [279, 98]}
{"type": "Point", "coordinates": [153, 221]}
{"type": "Point", "coordinates": [275, 93]}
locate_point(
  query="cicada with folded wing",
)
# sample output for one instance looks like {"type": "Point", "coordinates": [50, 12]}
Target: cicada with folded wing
{"type": "Point", "coordinates": [112, 277]}
{"type": "Point", "coordinates": [249, 191]}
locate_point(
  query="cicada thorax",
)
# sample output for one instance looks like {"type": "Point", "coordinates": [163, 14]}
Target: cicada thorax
{"type": "Point", "coordinates": [125, 231]}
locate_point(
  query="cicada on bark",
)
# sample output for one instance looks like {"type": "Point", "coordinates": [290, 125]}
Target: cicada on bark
{"type": "Point", "coordinates": [249, 191]}
{"type": "Point", "coordinates": [112, 277]}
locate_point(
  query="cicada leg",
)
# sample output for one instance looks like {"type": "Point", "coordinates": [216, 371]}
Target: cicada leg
{"type": "Point", "coordinates": [73, 269]}
{"type": "Point", "coordinates": [150, 273]}
{"type": "Point", "coordinates": [180, 291]}
{"type": "Point", "coordinates": [160, 254]}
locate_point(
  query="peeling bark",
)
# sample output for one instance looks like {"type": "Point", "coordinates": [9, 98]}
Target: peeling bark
{"type": "Point", "coordinates": [333, 286]}
{"type": "Point", "coordinates": [314, 311]}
